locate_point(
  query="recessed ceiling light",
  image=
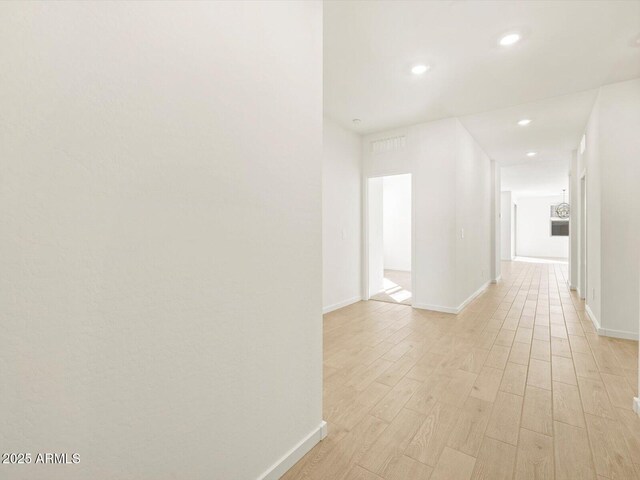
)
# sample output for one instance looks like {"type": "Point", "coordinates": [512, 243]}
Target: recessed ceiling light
{"type": "Point", "coordinates": [531, 154]}
{"type": "Point", "coordinates": [419, 69]}
{"type": "Point", "coordinates": [510, 39]}
{"type": "Point", "coordinates": [524, 122]}
{"type": "Point", "coordinates": [356, 121]}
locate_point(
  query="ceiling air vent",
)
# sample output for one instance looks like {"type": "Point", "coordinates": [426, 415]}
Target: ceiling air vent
{"type": "Point", "coordinates": [391, 144]}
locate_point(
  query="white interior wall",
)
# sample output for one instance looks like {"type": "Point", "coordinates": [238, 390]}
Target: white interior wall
{"type": "Point", "coordinates": [589, 165]}
{"type": "Point", "coordinates": [341, 217]}
{"type": "Point", "coordinates": [514, 225]}
{"type": "Point", "coordinates": [613, 208]}
{"type": "Point", "coordinates": [433, 153]}
{"type": "Point", "coordinates": [496, 253]}
{"type": "Point", "coordinates": [161, 236]}
{"type": "Point", "coordinates": [580, 212]}
{"type": "Point", "coordinates": [375, 245]}
{"type": "Point", "coordinates": [473, 215]}
{"type": "Point", "coordinates": [396, 198]}
{"type": "Point", "coordinates": [574, 199]}
{"type": "Point", "coordinates": [506, 212]}
{"type": "Point", "coordinates": [619, 152]}
{"type": "Point", "coordinates": [534, 229]}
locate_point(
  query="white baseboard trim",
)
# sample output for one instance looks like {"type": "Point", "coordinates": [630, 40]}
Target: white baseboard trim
{"type": "Point", "coordinates": [608, 332]}
{"type": "Point", "coordinates": [473, 296]}
{"type": "Point", "coordinates": [455, 310]}
{"type": "Point", "coordinates": [434, 308]}
{"type": "Point", "coordinates": [636, 405]}
{"type": "Point", "coordinates": [592, 316]}
{"type": "Point", "coordinates": [344, 303]}
{"type": "Point", "coordinates": [497, 279]}
{"type": "Point", "coordinates": [296, 453]}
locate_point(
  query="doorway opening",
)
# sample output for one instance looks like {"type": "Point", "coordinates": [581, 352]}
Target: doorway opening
{"type": "Point", "coordinates": [390, 239]}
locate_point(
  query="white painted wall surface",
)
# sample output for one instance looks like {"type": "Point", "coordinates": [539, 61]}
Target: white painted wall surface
{"type": "Point", "coordinates": [534, 229]}
{"type": "Point", "coordinates": [574, 200]}
{"type": "Point", "coordinates": [432, 156]}
{"type": "Point", "coordinates": [160, 209]}
{"type": "Point", "coordinates": [496, 254]}
{"type": "Point", "coordinates": [589, 164]}
{"type": "Point", "coordinates": [514, 225]}
{"type": "Point", "coordinates": [473, 215]}
{"type": "Point", "coordinates": [619, 152]}
{"type": "Point", "coordinates": [432, 151]}
{"type": "Point", "coordinates": [506, 226]}
{"type": "Point", "coordinates": [396, 198]}
{"type": "Point", "coordinates": [375, 245]}
{"type": "Point", "coordinates": [613, 208]}
{"type": "Point", "coordinates": [341, 216]}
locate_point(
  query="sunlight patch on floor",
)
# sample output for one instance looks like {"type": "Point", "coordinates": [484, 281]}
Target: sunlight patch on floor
{"type": "Point", "coordinates": [396, 288]}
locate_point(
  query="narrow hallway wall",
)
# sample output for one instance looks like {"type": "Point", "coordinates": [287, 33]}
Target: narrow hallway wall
{"type": "Point", "coordinates": [160, 209]}
{"type": "Point", "coordinates": [341, 217]}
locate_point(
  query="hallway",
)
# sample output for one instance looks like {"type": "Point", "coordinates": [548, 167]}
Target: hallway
{"type": "Point", "coordinates": [199, 201]}
{"type": "Point", "coordinates": [516, 386]}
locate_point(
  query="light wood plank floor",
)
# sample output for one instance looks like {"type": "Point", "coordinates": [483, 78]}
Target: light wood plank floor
{"type": "Point", "coordinates": [518, 385]}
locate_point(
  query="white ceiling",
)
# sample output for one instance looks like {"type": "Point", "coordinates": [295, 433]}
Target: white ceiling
{"type": "Point", "coordinates": [554, 132]}
{"type": "Point", "coordinates": [556, 127]}
{"type": "Point", "coordinates": [568, 50]}
{"type": "Point", "coordinates": [567, 47]}
{"type": "Point", "coordinates": [536, 179]}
